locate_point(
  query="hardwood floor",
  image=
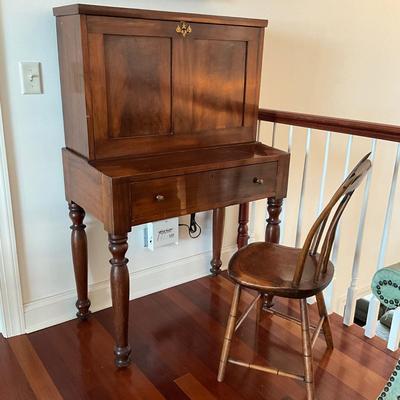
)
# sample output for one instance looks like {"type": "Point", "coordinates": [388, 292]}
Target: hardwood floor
{"type": "Point", "coordinates": [177, 336]}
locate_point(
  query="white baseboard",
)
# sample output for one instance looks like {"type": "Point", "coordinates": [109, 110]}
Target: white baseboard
{"type": "Point", "coordinates": [53, 310]}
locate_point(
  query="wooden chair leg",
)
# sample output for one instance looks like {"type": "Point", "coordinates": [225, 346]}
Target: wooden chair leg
{"type": "Point", "coordinates": [259, 308]}
{"type": "Point", "coordinates": [230, 329]}
{"type": "Point", "coordinates": [326, 327]}
{"type": "Point", "coordinates": [307, 352]}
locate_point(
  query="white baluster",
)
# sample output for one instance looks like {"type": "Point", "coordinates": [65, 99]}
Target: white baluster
{"type": "Point", "coordinates": [372, 317]}
{"type": "Point", "coordinates": [328, 295]}
{"type": "Point", "coordinates": [298, 243]}
{"type": "Point", "coordinates": [394, 336]}
{"type": "Point", "coordinates": [283, 213]}
{"type": "Point", "coordinates": [370, 328]}
{"type": "Point", "coordinates": [335, 251]}
{"type": "Point", "coordinates": [303, 184]}
{"type": "Point", "coordinates": [350, 307]}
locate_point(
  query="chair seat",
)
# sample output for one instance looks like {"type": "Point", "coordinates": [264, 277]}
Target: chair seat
{"type": "Point", "coordinates": [269, 268]}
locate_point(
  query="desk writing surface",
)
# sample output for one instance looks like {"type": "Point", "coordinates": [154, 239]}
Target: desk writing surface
{"type": "Point", "coordinates": [190, 161]}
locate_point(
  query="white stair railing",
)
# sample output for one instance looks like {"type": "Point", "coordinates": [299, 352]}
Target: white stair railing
{"type": "Point", "coordinates": [373, 309]}
{"type": "Point", "coordinates": [352, 295]}
{"type": "Point", "coordinates": [317, 162]}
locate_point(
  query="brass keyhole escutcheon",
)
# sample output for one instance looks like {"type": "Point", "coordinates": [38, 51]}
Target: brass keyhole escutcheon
{"type": "Point", "coordinates": [184, 28]}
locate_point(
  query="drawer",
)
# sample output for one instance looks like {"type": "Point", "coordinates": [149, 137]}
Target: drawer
{"type": "Point", "coordinates": [157, 199]}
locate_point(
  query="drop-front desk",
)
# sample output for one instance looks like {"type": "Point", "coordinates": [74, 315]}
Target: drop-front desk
{"type": "Point", "coordinates": [160, 117]}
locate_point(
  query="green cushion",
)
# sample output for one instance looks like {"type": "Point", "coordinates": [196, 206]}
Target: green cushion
{"type": "Point", "coordinates": [386, 285]}
{"type": "Point", "coordinates": [391, 390]}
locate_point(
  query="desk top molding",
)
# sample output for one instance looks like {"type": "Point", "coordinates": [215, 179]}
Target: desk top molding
{"type": "Point", "coordinates": [90, 9]}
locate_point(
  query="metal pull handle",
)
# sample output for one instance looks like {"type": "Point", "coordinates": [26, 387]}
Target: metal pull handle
{"type": "Point", "coordinates": [184, 28]}
{"type": "Point", "coordinates": [258, 181]}
{"type": "Point", "coordinates": [160, 197]}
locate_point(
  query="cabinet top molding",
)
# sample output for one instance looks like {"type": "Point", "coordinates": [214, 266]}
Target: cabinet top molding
{"type": "Point", "coordinates": [88, 9]}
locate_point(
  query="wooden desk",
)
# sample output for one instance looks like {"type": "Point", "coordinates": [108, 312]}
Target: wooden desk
{"type": "Point", "coordinates": [160, 113]}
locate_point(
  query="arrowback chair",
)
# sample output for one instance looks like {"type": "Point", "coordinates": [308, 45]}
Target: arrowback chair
{"type": "Point", "coordinates": [275, 270]}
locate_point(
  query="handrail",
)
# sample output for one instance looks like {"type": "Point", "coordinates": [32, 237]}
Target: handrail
{"type": "Point", "coordinates": [332, 124]}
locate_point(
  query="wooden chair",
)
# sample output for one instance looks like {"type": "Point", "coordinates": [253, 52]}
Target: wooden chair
{"type": "Point", "coordinates": [275, 270]}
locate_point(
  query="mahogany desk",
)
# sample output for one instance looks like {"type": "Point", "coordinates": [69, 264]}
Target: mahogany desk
{"type": "Point", "coordinates": [160, 116]}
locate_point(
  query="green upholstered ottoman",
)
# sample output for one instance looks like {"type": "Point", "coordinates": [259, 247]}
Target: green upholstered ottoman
{"type": "Point", "coordinates": [386, 287]}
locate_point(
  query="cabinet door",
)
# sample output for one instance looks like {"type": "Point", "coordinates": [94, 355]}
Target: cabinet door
{"type": "Point", "coordinates": [218, 96]}
{"type": "Point", "coordinates": [154, 90]}
{"type": "Point", "coordinates": [131, 83]}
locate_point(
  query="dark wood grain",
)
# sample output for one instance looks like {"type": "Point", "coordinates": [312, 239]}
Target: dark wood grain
{"type": "Point", "coordinates": [332, 124]}
{"type": "Point", "coordinates": [80, 259]}
{"type": "Point", "coordinates": [34, 370]}
{"type": "Point", "coordinates": [218, 235]}
{"type": "Point", "coordinates": [157, 15]}
{"type": "Point", "coordinates": [243, 229]}
{"type": "Point", "coordinates": [191, 161]}
{"type": "Point", "coordinates": [13, 382]}
{"type": "Point", "coordinates": [184, 194]}
{"type": "Point", "coordinates": [273, 229]}
{"type": "Point", "coordinates": [173, 99]}
{"type": "Point", "coordinates": [72, 36]}
{"type": "Point", "coordinates": [140, 102]}
{"type": "Point", "coordinates": [119, 278]}
{"type": "Point", "coordinates": [154, 129]}
{"type": "Point", "coordinates": [179, 333]}
{"type": "Point", "coordinates": [298, 273]}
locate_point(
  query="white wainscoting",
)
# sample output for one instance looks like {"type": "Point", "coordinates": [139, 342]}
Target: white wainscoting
{"type": "Point", "coordinates": [60, 307]}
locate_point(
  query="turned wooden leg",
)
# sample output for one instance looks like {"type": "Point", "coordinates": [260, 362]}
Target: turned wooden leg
{"type": "Point", "coordinates": [230, 329]}
{"type": "Point", "coordinates": [307, 352]}
{"type": "Point", "coordinates": [80, 259]}
{"type": "Point", "coordinates": [119, 278]}
{"type": "Point", "coordinates": [218, 231]}
{"type": "Point", "coordinates": [326, 326]}
{"type": "Point", "coordinates": [273, 230]}
{"type": "Point", "coordinates": [243, 230]}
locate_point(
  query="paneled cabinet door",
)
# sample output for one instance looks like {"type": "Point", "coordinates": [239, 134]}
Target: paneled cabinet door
{"type": "Point", "coordinates": [220, 66]}
{"type": "Point", "coordinates": [155, 89]}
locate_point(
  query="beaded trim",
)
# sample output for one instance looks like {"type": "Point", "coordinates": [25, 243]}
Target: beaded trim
{"type": "Point", "coordinates": [392, 378]}
{"type": "Point", "coordinates": [393, 303]}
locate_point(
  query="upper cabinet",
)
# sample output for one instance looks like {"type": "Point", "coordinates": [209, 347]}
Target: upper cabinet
{"type": "Point", "coordinates": [138, 82]}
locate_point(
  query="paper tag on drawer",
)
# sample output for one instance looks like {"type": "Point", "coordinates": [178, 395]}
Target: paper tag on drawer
{"type": "Point", "coordinates": [161, 233]}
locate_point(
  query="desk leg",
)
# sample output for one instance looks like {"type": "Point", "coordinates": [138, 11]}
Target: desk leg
{"type": "Point", "coordinates": [243, 230]}
{"type": "Point", "coordinates": [218, 232]}
{"type": "Point", "coordinates": [273, 232]}
{"type": "Point", "coordinates": [80, 259]}
{"type": "Point", "coordinates": [119, 278]}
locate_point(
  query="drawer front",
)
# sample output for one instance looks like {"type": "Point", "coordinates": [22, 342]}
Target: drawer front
{"type": "Point", "coordinates": [180, 195]}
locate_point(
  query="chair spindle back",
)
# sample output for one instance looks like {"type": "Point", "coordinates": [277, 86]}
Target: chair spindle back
{"type": "Point", "coordinates": [315, 235]}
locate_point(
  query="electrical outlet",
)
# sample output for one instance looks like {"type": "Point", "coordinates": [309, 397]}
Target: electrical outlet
{"type": "Point", "coordinates": [161, 233]}
{"type": "Point", "coordinates": [31, 81]}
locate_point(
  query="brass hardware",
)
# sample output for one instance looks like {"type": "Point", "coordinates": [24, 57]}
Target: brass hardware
{"type": "Point", "coordinates": [259, 181]}
{"type": "Point", "coordinates": [184, 28]}
{"type": "Point", "coordinates": [160, 197]}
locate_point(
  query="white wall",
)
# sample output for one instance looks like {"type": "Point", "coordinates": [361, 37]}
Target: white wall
{"type": "Point", "coordinates": [336, 58]}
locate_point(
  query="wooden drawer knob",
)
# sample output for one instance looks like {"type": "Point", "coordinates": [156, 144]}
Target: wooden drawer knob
{"type": "Point", "coordinates": [258, 181]}
{"type": "Point", "coordinates": [160, 197]}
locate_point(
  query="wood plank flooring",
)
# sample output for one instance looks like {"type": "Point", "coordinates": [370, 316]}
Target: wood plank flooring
{"type": "Point", "coordinates": [176, 336]}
